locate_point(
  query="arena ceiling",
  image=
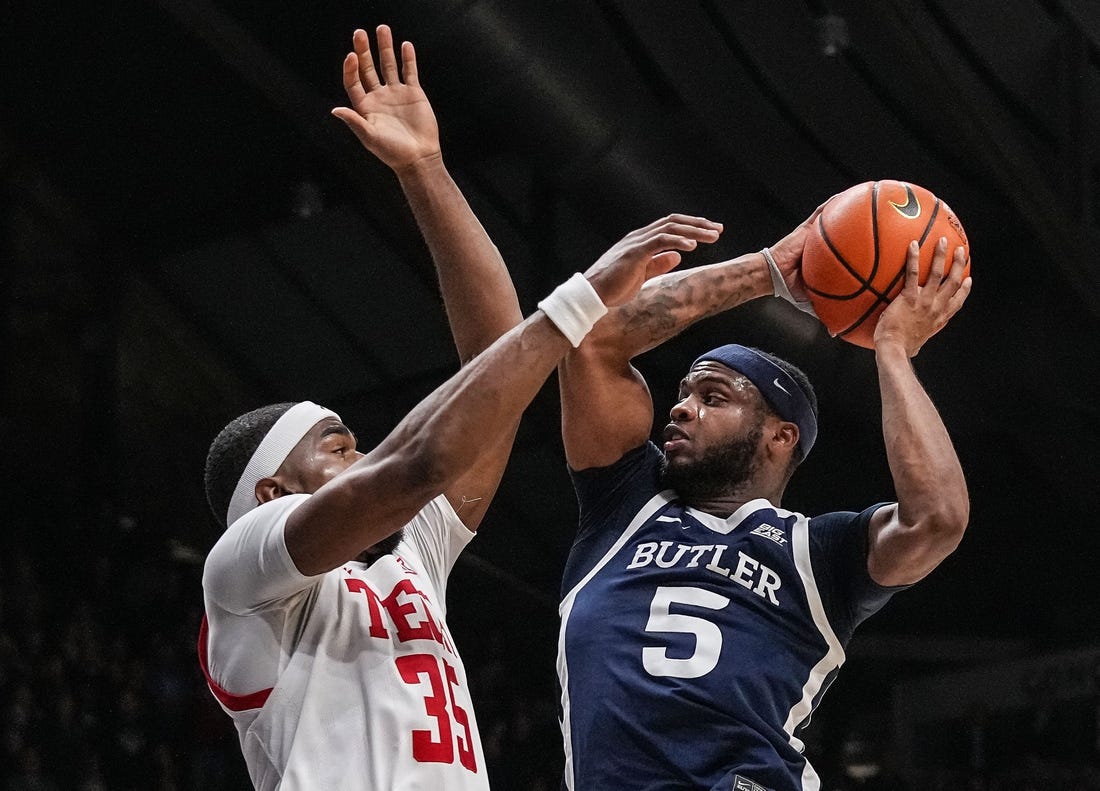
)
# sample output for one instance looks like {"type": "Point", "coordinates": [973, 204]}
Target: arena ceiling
{"type": "Point", "coordinates": [190, 234]}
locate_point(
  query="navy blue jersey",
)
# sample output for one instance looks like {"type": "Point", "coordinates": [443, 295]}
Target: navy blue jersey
{"type": "Point", "coordinates": [693, 648]}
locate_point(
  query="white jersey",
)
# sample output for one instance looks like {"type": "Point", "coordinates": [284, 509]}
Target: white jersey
{"type": "Point", "coordinates": [349, 679]}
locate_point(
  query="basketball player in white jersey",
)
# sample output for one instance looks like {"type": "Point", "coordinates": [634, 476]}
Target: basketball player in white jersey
{"type": "Point", "coordinates": [325, 636]}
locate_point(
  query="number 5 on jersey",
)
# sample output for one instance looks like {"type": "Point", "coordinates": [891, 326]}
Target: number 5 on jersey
{"type": "Point", "coordinates": [708, 637]}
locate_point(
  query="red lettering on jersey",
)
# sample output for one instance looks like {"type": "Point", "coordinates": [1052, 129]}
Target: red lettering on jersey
{"type": "Point", "coordinates": [438, 634]}
{"type": "Point", "coordinates": [425, 748]}
{"type": "Point", "coordinates": [409, 611]}
{"type": "Point", "coordinates": [377, 629]}
{"type": "Point", "coordinates": [465, 744]}
{"type": "Point", "coordinates": [440, 704]}
{"type": "Point", "coordinates": [415, 604]}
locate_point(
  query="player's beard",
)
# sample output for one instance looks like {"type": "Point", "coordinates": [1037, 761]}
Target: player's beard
{"type": "Point", "coordinates": [719, 473]}
{"type": "Point", "coordinates": [384, 547]}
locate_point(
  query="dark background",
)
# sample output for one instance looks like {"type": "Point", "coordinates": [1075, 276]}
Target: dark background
{"type": "Point", "coordinates": [188, 234]}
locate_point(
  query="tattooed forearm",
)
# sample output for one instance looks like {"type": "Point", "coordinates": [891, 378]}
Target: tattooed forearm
{"type": "Point", "coordinates": [669, 304]}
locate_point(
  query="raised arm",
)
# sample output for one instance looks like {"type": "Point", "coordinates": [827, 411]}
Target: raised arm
{"type": "Point", "coordinates": [910, 539]}
{"type": "Point", "coordinates": [391, 116]}
{"type": "Point", "coordinates": [606, 406]}
{"type": "Point", "coordinates": [447, 433]}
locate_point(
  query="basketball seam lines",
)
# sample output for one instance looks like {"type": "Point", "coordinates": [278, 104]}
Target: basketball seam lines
{"type": "Point", "coordinates": [874, 268]}
{"type": "Point", "coordinates": [901, 272]}
{"type": "Point", "coordinates": [865, 284]}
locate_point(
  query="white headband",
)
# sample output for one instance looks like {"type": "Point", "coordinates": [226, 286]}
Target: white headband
{"type": "Point", "coordinates": [276, 445]}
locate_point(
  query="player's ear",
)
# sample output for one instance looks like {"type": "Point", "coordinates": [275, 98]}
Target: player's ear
{"type": "Point", "coordinates": [784, 436]}
{"type": "Point", "coordinates": [268, 489]}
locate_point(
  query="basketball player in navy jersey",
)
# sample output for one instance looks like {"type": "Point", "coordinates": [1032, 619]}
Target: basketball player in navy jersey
{"type": "Point", "coordinates": [702, 621]}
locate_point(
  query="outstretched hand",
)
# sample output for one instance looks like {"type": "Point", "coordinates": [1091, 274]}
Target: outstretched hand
{"type": "Point", "coordinates": [787, 253]}
{"type": "Point", "coordinates": [619, 273]}
{"type": "Point", "coordinates": [919, 312]}
{"type": "Point", "coordinates": [391, 116]}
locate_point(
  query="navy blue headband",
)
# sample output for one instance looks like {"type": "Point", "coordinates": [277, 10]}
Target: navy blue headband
{"type": "Point", "coordinates": [778, 387]}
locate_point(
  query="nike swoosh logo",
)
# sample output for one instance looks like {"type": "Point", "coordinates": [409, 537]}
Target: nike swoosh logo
{"type": "Point", "coordinates": [781, 387]}
{"type": "Point", "coordinates": [911, 209]}
{"type": "Point", "coordinates": [673, 519]}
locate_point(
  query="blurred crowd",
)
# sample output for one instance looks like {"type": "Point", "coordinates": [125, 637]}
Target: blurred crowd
{"type": "Point", "coordinates": [100, 689]}
{"type": "Point", "coordinates": [99, 685]}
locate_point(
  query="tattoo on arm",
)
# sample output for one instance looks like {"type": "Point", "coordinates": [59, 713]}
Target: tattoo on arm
{"type": "Point", "coordinates": [467, 501]}
{"type": "Point", "coordinates": [675, 302]}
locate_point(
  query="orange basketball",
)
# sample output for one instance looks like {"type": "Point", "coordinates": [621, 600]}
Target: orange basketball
{"type": "Point", "coordinates": [853, 263]}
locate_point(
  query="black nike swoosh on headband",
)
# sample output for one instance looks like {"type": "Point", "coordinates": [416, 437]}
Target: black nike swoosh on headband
{"type": "Point", "coordinates": [911, 209]}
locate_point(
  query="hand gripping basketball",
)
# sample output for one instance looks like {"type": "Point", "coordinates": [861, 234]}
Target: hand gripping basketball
{"type": "Point", "coordinates": [854, 261]}
{"type": "Point", "coordinates": [924, 306]}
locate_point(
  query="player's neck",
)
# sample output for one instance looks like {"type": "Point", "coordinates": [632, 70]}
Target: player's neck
{"type": "Point", "coordinates": [720, 507]}
{"type": "Point", "coordinates": [725, 504]}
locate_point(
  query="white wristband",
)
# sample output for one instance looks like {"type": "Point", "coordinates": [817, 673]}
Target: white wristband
{"type": "Point", "coordinates": [779, 286]}
{"type": "Point", "coordinates": [574, 307]}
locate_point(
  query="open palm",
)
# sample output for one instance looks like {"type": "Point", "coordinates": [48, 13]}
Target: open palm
{"type": "Point", "coordinates": [646, 252]}
{"type": "Point", "coordinates": [391, 116]}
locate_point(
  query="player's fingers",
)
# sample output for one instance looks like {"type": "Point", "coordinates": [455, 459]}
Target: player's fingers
{"type": "Point", "coordinates": [693, 221]}
{"type": "Point", "coordinates": [952, 283]}
{"type": "Point", "coordinates": [958, 265]}
{"type": "Point", "coordinates": [387, 59]}
{"type": "Point", "coordinates": [408, 63]}
{"type": "Point", "coordinates": [815, 214]}
{"type": "Point", "coordinates": [352, 84]}
{"type": "Point", "coordinates": [939, 262]}
{"type": "Point", "coordinates": [912, 266]}
{"type": "Point", "coordinates": [678, 222]}
{"type": "Point", "coordinates": [354, 122]}
{"type": "Point", "coordinates": [367, 75]}
{"type": "Point", "coordinates": [699, 233]}
{"type": "Point", "coordinates": [661, 263]}
{"type": "Point", "coordinates": [959, 297]}
{"type": "Point", "coordinates": [661, 241]}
